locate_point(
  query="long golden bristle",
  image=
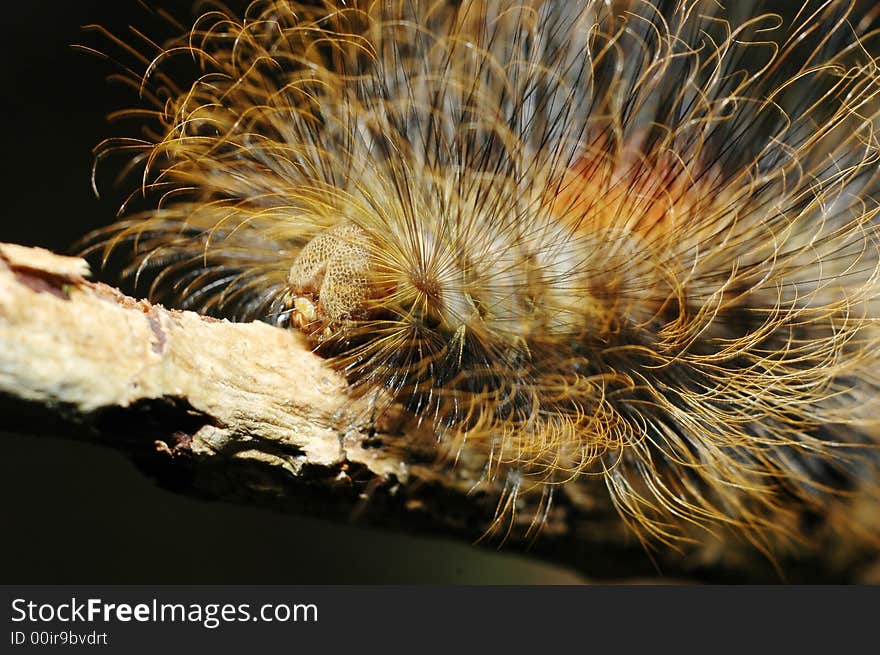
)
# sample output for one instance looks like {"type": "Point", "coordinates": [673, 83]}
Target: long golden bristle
{"type": "Point", "coordinates": [628, 240]}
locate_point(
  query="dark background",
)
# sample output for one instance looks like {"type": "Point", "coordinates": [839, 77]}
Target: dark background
{"type": "Point", "coordinates": [74, 513]}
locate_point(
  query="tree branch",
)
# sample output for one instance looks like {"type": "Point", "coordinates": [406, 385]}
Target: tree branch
{"type": "Point", "coordinates": [245, 412]}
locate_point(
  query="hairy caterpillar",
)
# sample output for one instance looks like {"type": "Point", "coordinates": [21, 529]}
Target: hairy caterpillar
{"type": "Point", "coordinates": [633, 241]}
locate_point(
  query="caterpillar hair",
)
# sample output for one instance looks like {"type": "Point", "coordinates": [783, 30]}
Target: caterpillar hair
{"type": "Point", "coordinates": [629, 243]}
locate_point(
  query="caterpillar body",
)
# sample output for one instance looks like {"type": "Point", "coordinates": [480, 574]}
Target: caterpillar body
{"type": "Point", "coordinates": [630, 241]}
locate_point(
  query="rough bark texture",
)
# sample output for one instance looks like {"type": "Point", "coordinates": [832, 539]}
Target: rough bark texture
{"type": "Point", "coordinates": [246, 412]}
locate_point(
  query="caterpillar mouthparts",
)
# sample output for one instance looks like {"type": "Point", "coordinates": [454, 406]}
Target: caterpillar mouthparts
{"type": "Point", "coordinates": [634, 241]}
